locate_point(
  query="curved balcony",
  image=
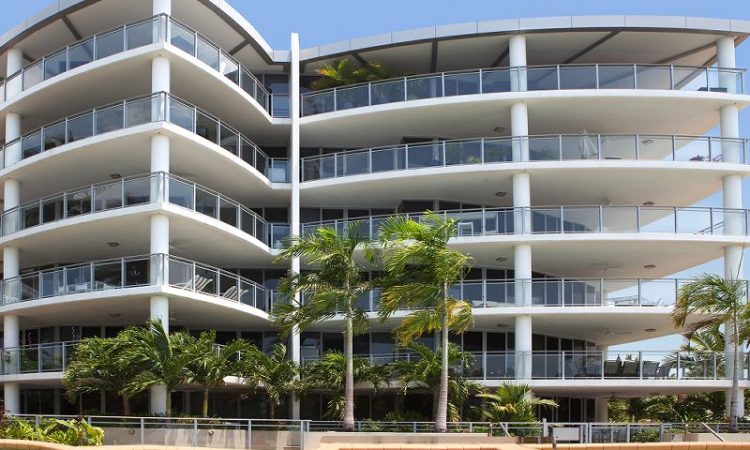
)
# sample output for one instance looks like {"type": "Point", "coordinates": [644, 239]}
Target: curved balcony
{"type": "Point", "coordinates": [120, 274]}
{"type": "Point", "coordinates": [564, 147]}
{"type": "Point", "coordinates": [560, 293]}
{"type": "Point", "coordinates": [139, 190]}
{"type": "Point", "coordinates": [585, 365]}
{"type": "Point", "coordinates": [159, 107]}
{"type": "Point", "coordinates": [523, 79]}
{"type": "Point", "coordinates": [575, 220]}
{"type": "Point", "coordinates": [157, 29]}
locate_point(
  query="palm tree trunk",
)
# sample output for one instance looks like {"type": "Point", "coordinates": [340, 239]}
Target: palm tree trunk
{"type": "Point", "coordinates": [204, 409]}
{"type": "Point", "coordinates": [125, 405]}
{"type": "Point", "coordinates": [733, 406]}
{"type": "Point", "coordinates": [441, 418]}
{"type": "Point", "coordinates": [169, 402]}
{"type": "Point", "coordinates": [349, 382]}
{"type": "Point", "coordinates": [271, 408]}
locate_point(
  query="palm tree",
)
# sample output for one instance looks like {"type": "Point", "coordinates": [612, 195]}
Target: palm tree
{"type": "Point", "coordinates": [210, 363]}
{"type": "Point", "coordinates": [420, 269]}
{"type": "Point", "coordinates": [343, 72]}
{"type": "Point", "coordinates": [97, 365]}
{"type": "Point", "coordinates": [511, 403]}
{"type": "Point", "coordinates": [721, 301]}
{"type": "Point", "coordinates": [329, 372]}
{"type": "Point", "coordinates": [424, 368]}
{"type": "Point", "coordinates": [333, 287]}
{"type": "Point", "coordinates": [163, 357]}
{"type": "Point", "coordinates": [273, 374]}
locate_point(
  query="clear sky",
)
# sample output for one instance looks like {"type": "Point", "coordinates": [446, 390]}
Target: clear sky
{"type": "Point", "coordinates": [327, 21]}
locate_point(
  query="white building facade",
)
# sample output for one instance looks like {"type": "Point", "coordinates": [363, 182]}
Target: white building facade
{"type": "Point", "coordinates": [158, 152]}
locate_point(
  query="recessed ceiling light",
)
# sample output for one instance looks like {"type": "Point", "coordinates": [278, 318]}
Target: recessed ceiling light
{"type": "Point", "coordinates": [115, 176]}
{"type": "Point", "coordinates": [502, 325]}
{"type": "Point", "coordinates": [115, 315]}
{"type": "Point", "coordinates": [647, 141]}
{"type": "Point", "coordinates": [501, 194]}
{"type": "Point", "coordinates": [501, 259]}
{"type": "Point", "coordinates": [499, 129]}
{"type": "Point", "coordinates": [650, 330]}
{"type": "Point", "coordinates": [113, 244]}
{"type": "Point", "coordinates": [649, 203]}
{"type": "Point", "coordinates": [649, 266]}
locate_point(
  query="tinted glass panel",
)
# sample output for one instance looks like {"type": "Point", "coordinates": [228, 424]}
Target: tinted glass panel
{"type": "Point", "coordinates": [55, 64]}
{"type": "Point", "coordinates": [109, 44]}
{"type": "Point", "coordinates": [81, 54]}
{"type": "Point", "coordinates": [80, 127]}
{"type": "Point", "coordinates": [54, 136]}
{"type": "Point", "coordinates": [140, 34]}
{"type": "Point", "coordinates": [109, 119]}
{"type": "Point", "coordinates": [182, 38]}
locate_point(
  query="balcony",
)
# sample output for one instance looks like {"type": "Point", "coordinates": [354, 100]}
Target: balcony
{"type": "Point", "coordinates": [159, 107]}
{"type": "Point", "coordinates": [140, 190]}
{"type": "Point", "coordinates": [523, 79]}
{"type": "Point", "coordinates": [481, 151]}
{"type": "Point", "coordinates": [560, 293]}
{"type": "Point", "coordinates": [585, 365]}
{"type": "Point", "coordinates": [574, 220]}
{"type": "Point", "coordinates": [154, 30]}
{"type": "Point", "coordinates": [134, 272]}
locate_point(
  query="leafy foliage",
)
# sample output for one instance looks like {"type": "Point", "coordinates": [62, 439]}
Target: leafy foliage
{"type": "Point", "coordinates": [75, 432]}
{"type": "Point", "coordinates": [329, 372]}
{"type": "Point", "coordinates": [271, 374]}
{"type": "Point", "coordinates": [512, 403]}
{"type": "Point", "coordinates": [343, 72]}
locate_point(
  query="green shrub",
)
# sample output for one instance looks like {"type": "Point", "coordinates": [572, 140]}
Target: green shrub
{"type": "Point", "coordinates": [647, 435]}
{"type": "Point", "coordinates": [68, 432]}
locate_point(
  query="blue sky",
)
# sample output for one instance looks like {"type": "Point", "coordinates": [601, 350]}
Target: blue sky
{"type": "Point", "coordinates": [320, 22]}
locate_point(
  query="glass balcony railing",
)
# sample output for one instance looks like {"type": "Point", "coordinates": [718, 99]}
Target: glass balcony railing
{"type": "Point", "coordinates": [522, 79]}
{"type": "Point", "coordinates": [159, 107]}
{"type": "Point", "coordinates": [154, 30]}
{"type": "Point", "coordinates": [39, 358]}
{"type": "Point", "coordinates": [592, 365]}
{"type": "Point", "coordinates": [132, 272]}
{"type": "Point", "coordinates": [140, 190]}
{"type": "Point", "coordinates": [574, 220]}
{"type": "Point", "coordinates": [550, 292]}
{"type": "Point", "coordinates": [524, 149]}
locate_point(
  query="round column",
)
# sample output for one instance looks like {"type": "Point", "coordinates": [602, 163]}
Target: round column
{"type": "Point", "coordinates": [13, 65]}
{"type": "Point", "coordinates": [601, 410]}
{"type": "Point", "coordinates": [517, 59]}
{"type": "Point", "coordinates": [12, 390]}
{"type": "Point", "coordinates": [12, 133]}
{"type": "Point", "coordinates": [162, 7]}
{"type": "Point", "coordinates": [523, 347]}
{"type": "Point", "coordinates": [161, 71]}
{"type": "Point", "coordinates": [725, 59]}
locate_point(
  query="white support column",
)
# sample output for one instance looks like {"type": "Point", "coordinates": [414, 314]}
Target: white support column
{"type": "Point", "coordinates": [11, 255]}
{"type": "Point", "coordinates": [162, 7]}
{"type": "Point", "coordinates": [601, 409]}
{"type": "Point", "coordinates": [732, 196]}
{"type": "Point", "coordinates": [519, 125]}
{"type": "Point", "coordinates": [523, 332]}
{"type": "Point", "coordinates": [12, 132]}
{"type": "Point", "coordinates": [517, 59]}
{"type": "Point", "coordinates": [13, 65]}
{"type": "Point", "coordinates": [161, 71]}
{"type": "Point", "coordinates": [12, 390]}
{"type": "Point", "coordinates": [294, 212]}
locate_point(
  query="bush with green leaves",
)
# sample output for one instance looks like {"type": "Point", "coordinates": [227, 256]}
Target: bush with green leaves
{"type": "Point", "coordinates": [76, 432]}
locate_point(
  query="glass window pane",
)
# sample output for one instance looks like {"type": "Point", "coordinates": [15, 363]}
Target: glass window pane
{"type": "Point", "coordinates": [496, 81]}
{"type": "Point", "coordinates": [352, 97]}
{"type": "Point", "coordinates": [461, 83]}
{"type": "Point", "coordinates": [317, 103]}
{"type": "Point", "coordinates": [31, 144]}
{"type": "Point", "coordinates": [541, 78]}
{"type": "Point", "coordinates": [616, 77]}
{"type": "Point", "coordinates": [466, 152]}
{"type": "Point", "coordinates": [109, 44]}
{"type": "Point", "coordinates": [80, 127]}
{"type": "Point", "coordinates": [80, 54]}
{"type": "Point", "coordinates": [578, 77]}
{"type": "Point", "coordinates": [205, 280]}
{"type": "Point", "coordinates": [248, 82]}
{"type": "Point", "coordinates": [426, 155]}
{"type": "Point", "coordinates": [32, 75]}
{"type": "Point", "coordinates": [108, 196]}
{"type": "Point", "coordinates": [388, 92]}
{"type": "Point", "coordinates": [181, 115]}
{"type": "Point", "coordinates": [182, 38]}
{"type": "Point", "coordinates": [228, 212]}
{"type": "Point", "coordinates": [52, 209]}
{"type": "Point", "coordinates": [230, 140]}
{"type": "Point", "coordinates": [141, 34]}
{"type": "Point", "coordinates": [55, 64]}
{"type": "Point", "coordinates": [54, 135]}
{"type": "Point", "coordinates": [206, 202]}
{"type": "Point", "coordinates": [136, 272]}
{"type": "Point", "coordinates": [208, 53]}
{"type": "Point", "coordinates": [207, 127]}
{"type": "Point", "coordinates": [109, 119]}
{"type": "Point", "coordinates": [30, 216]}
{"type": "Point", "coordinates": [181, 193]}
{"type": "Point", "coordinates": [229, 68]}
{"type": "Point", "coordinates": [137, 191]}
{"type": "Point", "coordinates": [139, 111]}
{"type": "Point", "coordinates": [653, 77]}
{"type": "Point", "coordinates": [107, 275]}
{"type": "Point", "coordinates": [78, 202]}
{"type": "Point", "coordinates": [424, 87]}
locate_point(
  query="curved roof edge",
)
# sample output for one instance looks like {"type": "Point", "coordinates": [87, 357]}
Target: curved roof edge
{"type": "Point", "coordinates": [61, 8]}
{"type": "Point", "coordinates": [531, 25]}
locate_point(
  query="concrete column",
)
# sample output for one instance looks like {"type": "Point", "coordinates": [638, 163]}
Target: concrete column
{"type": "Point", "coordinates": [162, 7]}
{"type": "Point", "coordinates": [12, 390]}
{"type": "Point", "coordinates": [160, 74]}
{"type": "Point", "coordinates": [160, 153]}
{"type": "Point", "coordinates": [294, 212]}
{"type": "Point", "coordinates": [523, 347]}
{"type": "Point", "coordinates": [519, 125]}
{"type": "Point", "coordinates": [517, 58]}
{"type": "Point", "coordinates": [14, 64]}
{"type": "Point", "coordinates": [12, 133]}
{"type": "Point", "coordinates": [11, 256]}
{"type": "Point", "coordinates": [725, 58]}
{"type": "Point", "coordinates": [601, 409]}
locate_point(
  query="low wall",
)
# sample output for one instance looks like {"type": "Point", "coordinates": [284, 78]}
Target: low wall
{"type": "Point", "coordinates": [203, 437]}
{"type": "Point", "coordinates": [332, 440]}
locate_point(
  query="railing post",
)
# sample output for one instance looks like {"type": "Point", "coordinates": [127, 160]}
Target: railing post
{"type": "Point", "coordinates": [143, 430]}
{"type": "Point", "coordinates": [195, 432]}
